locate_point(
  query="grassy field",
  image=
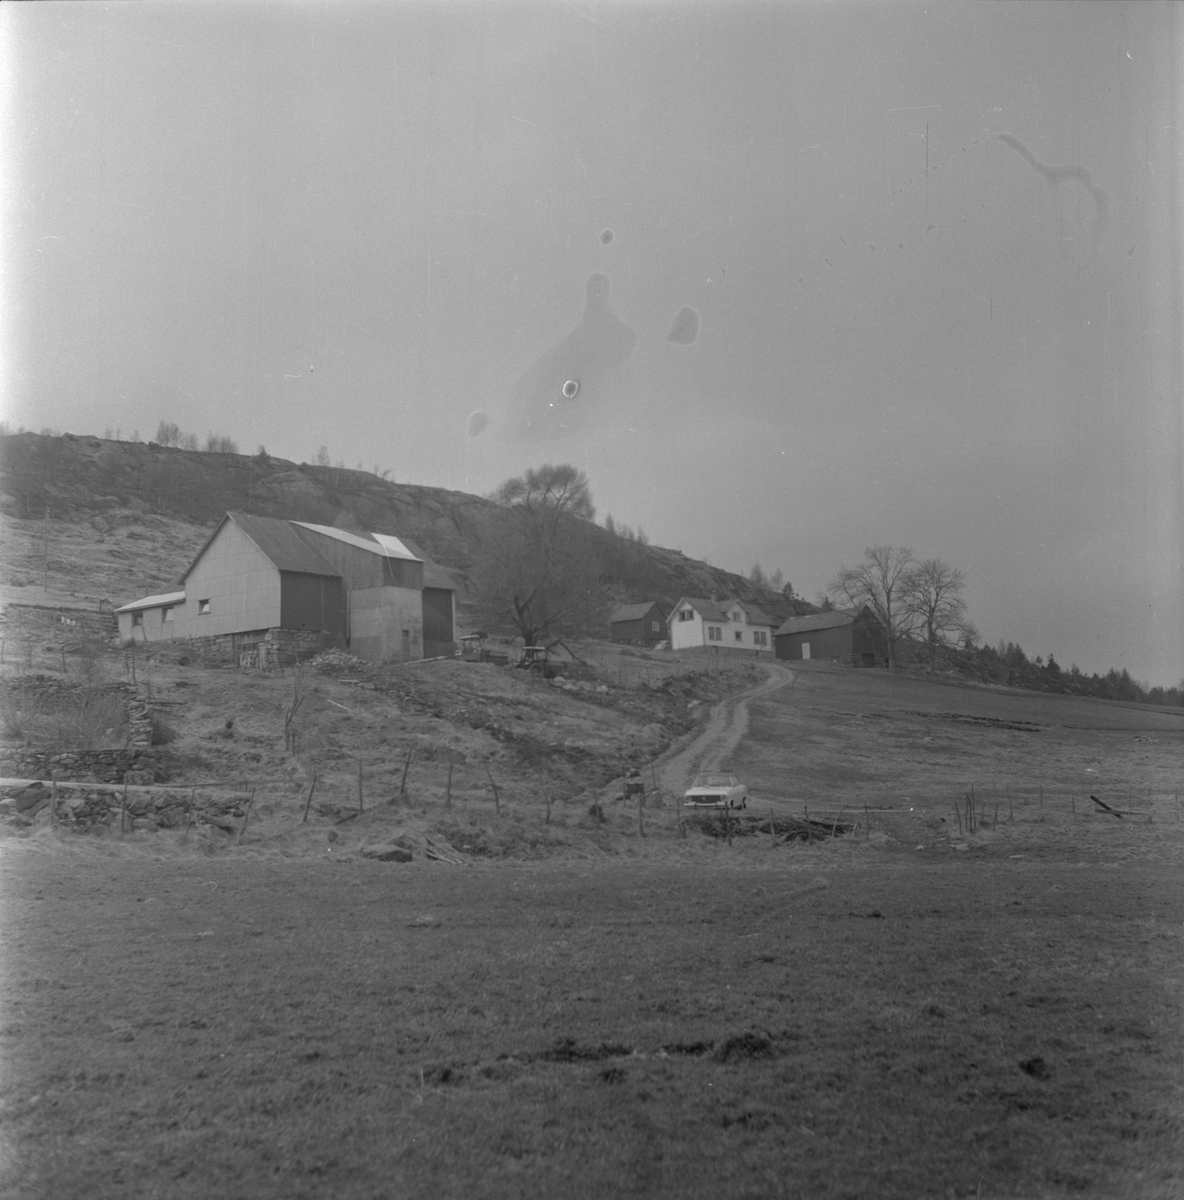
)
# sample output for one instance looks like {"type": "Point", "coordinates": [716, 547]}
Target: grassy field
{"type": "Point", "coordinates": [914, 1013]}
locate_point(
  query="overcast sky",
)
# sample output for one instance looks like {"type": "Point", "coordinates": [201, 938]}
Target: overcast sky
{"type": "Point", "coordinates": [931, 251]}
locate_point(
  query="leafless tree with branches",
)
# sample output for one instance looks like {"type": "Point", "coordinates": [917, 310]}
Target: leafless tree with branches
{"type": "Point", "coordinates": [880, 582]}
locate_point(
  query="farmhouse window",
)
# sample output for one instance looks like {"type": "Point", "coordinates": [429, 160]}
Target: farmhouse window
{"type": "Point", "coordinates": [203, 608]}
{"type": "Point", "coordinates": [761, 639]}
{"type": "Point", "coordinates": [715, 633]}
{"type": "Point", "coordinates": [685, 614]}
{"type": "Point", "coordinates": [739, 635]}
{"type": "Point", "coordinates": [137, 618]}
{"type": "Point", "coordinates": [166, 613]}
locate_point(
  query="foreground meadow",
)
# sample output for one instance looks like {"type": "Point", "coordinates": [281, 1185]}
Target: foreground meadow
{"type": "Point", "coordinates": [916, 1013]}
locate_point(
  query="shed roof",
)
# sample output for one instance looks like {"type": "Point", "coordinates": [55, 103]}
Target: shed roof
{"type": "Point", "coordinates": [834, 619]}
{"type": "Point", "coordinates": [279, 541]}
{"type": "Point", "coordinates": [631, 612]}
{"type": "Point", "coordinates": [705, 608]}
{"type": "Point", "coordinates": [153, 601]}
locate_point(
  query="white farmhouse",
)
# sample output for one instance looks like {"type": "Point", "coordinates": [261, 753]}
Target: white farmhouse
{"type": "Point", "coordinates": [706, 626]}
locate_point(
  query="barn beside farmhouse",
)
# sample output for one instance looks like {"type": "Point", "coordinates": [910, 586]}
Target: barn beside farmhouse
{"type": "Point", "coordinates": [300, 587]}
{"type": "Point", "coordinates": [840, 634]}
{"type": "Point", "coordinates": [641, 624]}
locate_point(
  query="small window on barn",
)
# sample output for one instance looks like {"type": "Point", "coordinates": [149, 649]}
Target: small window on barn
{"type": "Point", "coordinates": [166, 613]}
{"type": "Point", "coordinates": [137, 618]}
{"type": "Point", "coordinates": [655, 627]}
{"type": "Point", "coordinates": [203, 608]}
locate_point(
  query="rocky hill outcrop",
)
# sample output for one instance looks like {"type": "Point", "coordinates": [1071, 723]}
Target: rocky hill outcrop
{"type": "Point", "coordinates": [76, 478]}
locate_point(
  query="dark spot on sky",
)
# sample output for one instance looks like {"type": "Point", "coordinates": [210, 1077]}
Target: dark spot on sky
{"type": "Point", "coordinates": [931, 229]}
{"type": "Point", "coordinates": [606, 237]}
{"type": "Point", "coordinates": [1131, 250]}
{"type": "Point", "coordinates": [842, 239]}
{"type": "Point", "coordinates": [570, 388]}
{"type": "Point", "coordinates": [870, 246]}
{"type": "Point", "coordinates": [828, 262]}
{"type": "Point", "coordinates": [589, 356]}
{"type": "Point", "coordinates": [963, 149]}
{"type": "Point", "coordinates": [900, 245]}
{"type": "Point", "coordinates": [686, 327]}
{"type": "Point", "coordinates": [478, 423]}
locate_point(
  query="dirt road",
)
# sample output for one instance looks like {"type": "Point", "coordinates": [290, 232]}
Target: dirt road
{"type": "Point", "coordinates": [725, 727]}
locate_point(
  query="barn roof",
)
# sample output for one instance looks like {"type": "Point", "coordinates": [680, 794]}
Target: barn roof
{"type": "Point", "coordinates": [278, 541]}
{"type": "Point", "coordinates": [153, 601]}
{"type": "Point", "coordinates": [631, 612]}
{"type": "Point", "coordinates": [384, 544]}
{"type": "Point", "coordinates": [836, 618]}
{"type": "Point", "coordinates": [434, 575]}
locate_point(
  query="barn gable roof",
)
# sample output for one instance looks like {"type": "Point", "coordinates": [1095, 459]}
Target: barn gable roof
{"type": "Point", "coordinates": [279, 542]}
{"type": "Point", "coordinates": [384, 544]}
{"type": "Point", "coordinates": [836, 618]}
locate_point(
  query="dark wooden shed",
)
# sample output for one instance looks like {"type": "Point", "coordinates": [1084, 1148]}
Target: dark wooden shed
{"type": "Point", "coordinates": [839, 635]}
{"type": "Point", "coordinates": [641, 624]}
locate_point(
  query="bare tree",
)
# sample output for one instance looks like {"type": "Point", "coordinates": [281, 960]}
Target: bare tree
{"type": "Point", "coordinates": [539, 572]}
{"type": "Point", "coordinates": [168, 433]}
{"type": "Point", "coordinates": [880, 582]}
{"type": "Point", "coordinates": [757, 575]}
{"type": "Point", "coordinates": [559, 488]}
{"type": "Point", "coordinates": [932, 598]}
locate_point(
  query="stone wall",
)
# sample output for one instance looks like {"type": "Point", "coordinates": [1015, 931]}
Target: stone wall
{"type": "Point", "coordinates": [106, 766]}
{"type": "Point", "coordinates": [102, 810]}
{"type": "Point", "coordinates": [45, 623]}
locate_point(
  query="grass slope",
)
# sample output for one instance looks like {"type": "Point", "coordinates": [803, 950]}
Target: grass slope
{"type": "Point", "coordinates": [901, 1015]}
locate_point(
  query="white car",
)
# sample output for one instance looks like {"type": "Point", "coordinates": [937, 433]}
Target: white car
{"type": "Point", "coordinates": [715, 789]}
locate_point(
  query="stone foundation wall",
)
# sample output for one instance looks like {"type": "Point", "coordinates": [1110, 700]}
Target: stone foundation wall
{"type": "Point", "coordinates": [261, 647]}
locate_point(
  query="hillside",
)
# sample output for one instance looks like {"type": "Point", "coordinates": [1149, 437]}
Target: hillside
{"type": "Point", "coordinates": [118, 519]}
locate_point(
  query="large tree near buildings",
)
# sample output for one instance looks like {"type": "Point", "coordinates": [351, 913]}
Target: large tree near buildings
{"type": "Point", "coordinates": [932, 598]}
{"type": "Point", "coordinates": [538, 569]}
{"type": "Point", "coordinates": [880, 582]}
{"type": "Point", "coordinates": [549, 489]}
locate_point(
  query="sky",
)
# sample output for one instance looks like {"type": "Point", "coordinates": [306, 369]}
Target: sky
{"type": "Point", "coordinates": [821, 276]}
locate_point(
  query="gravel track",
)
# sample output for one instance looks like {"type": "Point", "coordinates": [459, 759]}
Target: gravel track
{"type": "Point", "coordinates": [726, 725]}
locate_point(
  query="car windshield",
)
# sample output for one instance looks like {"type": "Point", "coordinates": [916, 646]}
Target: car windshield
{"type": "Point", "coordinates": [719, 781]}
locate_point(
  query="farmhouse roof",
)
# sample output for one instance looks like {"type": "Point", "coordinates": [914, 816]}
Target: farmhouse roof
{"type": "Point", "coordinates": [705, 608]}
{"type": "Point", "coordinates": [278, 541]}
{"type": "Point", "coordinates": [835, 618]}
{"type": "Point", "coordinates": [153, 601]}
{"type": "Point", "coordinates": [631, 612]}
{"type": "Point", "coordinates": [755, 615]}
